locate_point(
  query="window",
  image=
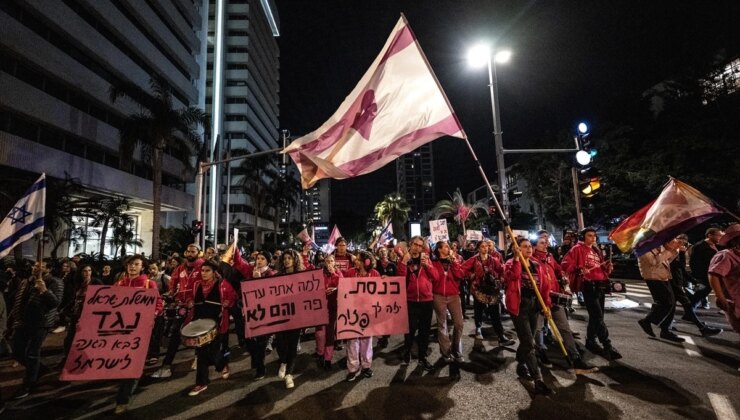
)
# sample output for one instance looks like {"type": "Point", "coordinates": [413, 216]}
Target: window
{"type": "Point", "coordinates": [236, 66]}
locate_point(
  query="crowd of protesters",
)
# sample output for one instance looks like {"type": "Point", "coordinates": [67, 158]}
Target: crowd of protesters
{"type": "Point", "coordinates": [444, 280]}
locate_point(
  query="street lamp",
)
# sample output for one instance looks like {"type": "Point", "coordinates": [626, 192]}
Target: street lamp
{"type": "Point", "coordinates": [478, 56]}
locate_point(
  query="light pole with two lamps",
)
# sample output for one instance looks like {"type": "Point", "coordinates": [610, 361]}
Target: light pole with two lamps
{"type": "Point", "coordinates": [479, 56]}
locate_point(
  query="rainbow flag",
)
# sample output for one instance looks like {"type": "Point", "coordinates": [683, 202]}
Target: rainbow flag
{"type": "Point", "coordinates": [678, 208]}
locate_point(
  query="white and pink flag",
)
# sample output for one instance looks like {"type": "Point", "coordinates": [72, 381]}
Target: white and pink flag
{"type": "Point", "coordinates": [397, 106]}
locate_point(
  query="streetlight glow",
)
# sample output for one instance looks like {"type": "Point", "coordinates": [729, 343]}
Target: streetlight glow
{"type": "Point", "coordinates": [582, 128]}
{"type": "Point", "coordinates": [478, 56]}
{"type": "Point", "coordinates": [583, 157]}
{"type": "Point", "coordinates": [502, 57]}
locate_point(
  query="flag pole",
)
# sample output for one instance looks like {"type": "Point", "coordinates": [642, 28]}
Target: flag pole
{"type": "Point", "coordinates": [518, 252]}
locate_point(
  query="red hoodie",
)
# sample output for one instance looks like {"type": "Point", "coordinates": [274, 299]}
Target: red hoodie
{"type": "Point", "coordinates": [143, 282]}
{"type": "Point", "coordinates": [182, 280]}
{"type": "Point", "coordinates": [227, 294]}
{"type": "Point", "coordinates": [583, 263]}
{"type": "Point", "coordinates": [447, 283]}
{"type": "Point", "coordinates": [513, 278]}
{"type": "Point", "coordinates": [418, 285]}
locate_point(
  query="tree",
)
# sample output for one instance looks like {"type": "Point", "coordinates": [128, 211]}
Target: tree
{"type": "Point", "coordinates": [124, 234]}
{"type": "Point", "coordinates": [393, 208]}
{"type": "Point", "coordinates": [458, 209]}
{"type": "Point", "coordinates": [256, 175]}
{"type": "Point", "coordinates": [157, 128]}
{"type": "Point", "coordinates": [284, 192]}
{"type": "Point", "coordinates": [106, 213]}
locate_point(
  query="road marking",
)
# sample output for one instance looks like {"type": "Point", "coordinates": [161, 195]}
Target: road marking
{"type": "Point", "coordinates": [647, 305]}
{"type": "Point", "coordinates": [722, 406]}
{"type": "Point", "coordinates": [690, 341]}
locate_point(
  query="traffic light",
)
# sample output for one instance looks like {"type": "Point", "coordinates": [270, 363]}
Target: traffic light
{"type": "Point", "coordinates": [586, 152]}
{"type": "Point", "coordinates": [196, 227]}
{"type": "Point", "coordinates": [589, 182]}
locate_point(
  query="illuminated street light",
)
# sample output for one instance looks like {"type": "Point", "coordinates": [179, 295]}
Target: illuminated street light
{"type": "Point", "coordinates": [478, 56]}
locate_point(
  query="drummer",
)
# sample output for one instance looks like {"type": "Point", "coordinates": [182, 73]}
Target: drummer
{"type": "Point", "coordinates": [211, 299]}
{"type": "Point", "coordinates": [560, 293]}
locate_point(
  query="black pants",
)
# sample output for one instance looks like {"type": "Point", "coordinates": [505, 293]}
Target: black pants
{"type": "Point", "coordinates": [210, 354]}
{"type": "Point", "coordinates": [494, 311]}
{"type": "Point", "coordinates": [154, 343]}
{"type": "Point", "coordinates": [593, 298]}
{"type": "Point", "coordinates": [236, 313]}
{"type": "Point", "coordinates": [702, 292]}
{"type": "Point", "coordinates": [126, 389]}
{"type": "Point", "coordinates": [420, 319]}
{"type": "Point", "coordinates": [464, 295]}
{"type": "Point", "coordinates": [682, 299]}
{"type": "Point", "coordinates": [287, 347]}
{"type": "Point", "coordinates": [664, 303]}
{"type": "Point", "coordinates": [256, 347]}
{"type": "Point", "coordinates": [525, 324]}
{"type": "Point", "coordinates": [174, 342]}
{"type": "Point", "coordinates": [27, 344]}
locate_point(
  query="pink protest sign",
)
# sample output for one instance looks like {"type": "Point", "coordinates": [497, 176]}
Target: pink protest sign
{"type": "Point", "coordinates": [284, 303]}
{"type": "Point", "coordinates": [370, 306]}
{"type": "Point", "coordinates": [112, 334]}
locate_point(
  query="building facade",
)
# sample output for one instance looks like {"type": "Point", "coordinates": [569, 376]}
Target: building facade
{"type": "Point", "coordinates": [58, 62]}
{"type": "Point", "coordinates": [242, 98]}
{"type": "Point", "coordinates": [415, 180]}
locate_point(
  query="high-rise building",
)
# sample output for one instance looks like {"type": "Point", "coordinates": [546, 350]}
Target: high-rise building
{"type": "Point", "coordinates": [318, 201]}
{"type": "Point", "coordinates": [242, 95]}
{"type": "Point", "coordinates": [415, 180]}
{"type": "Point", "coordinates": [58, 62]}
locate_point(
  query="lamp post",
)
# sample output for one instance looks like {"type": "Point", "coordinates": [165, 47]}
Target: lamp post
{"type": "Point", "coordinates": [479, 56]}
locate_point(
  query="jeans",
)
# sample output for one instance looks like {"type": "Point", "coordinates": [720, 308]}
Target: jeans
{"type": "Point", "coordinates": [494, 311]}
{"type": "Point", "coordinates": [174, 342]}
{"type": "Point", "coordinates": [256, 347]}
{"type": "Point", "coordinates": [593, 298]}
{"type": "Point", "coordinates": [560, 318]}
{"type": "Point", "coordinates": [664, 303]}
{"type": "Point", "coordinates": [420, 319]}
{"type": "Point", "coordinates": [441, 305]}
{"type": "Point", "coordinates": [27, 351]}
{"type": "Point", "coordinates": [525, 324]}
{"type": "Point", "coordinates": [210, 354]}
{"type": "Point", "coordinates": [688, 309]}
{"type": "Point", "coordinates": [153, 350]}
{"type": "Point", "coordinates": [287, 343]}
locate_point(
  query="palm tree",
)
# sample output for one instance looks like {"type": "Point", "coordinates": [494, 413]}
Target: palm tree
{"type": "Point", "coordinates": [156, 127]}
{"type": "Point", "coordinates": [124, 234]}
{"type": "Point", "coordinates": [256, 176]}
{"type": "Point", "coordinates": [284, 192]}
{"type": "Point", "coordinates": [457, 208]}
{"type": "Point", "coordinates": [393, 208]}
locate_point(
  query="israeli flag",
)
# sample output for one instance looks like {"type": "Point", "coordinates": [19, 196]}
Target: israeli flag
{"type": "Point", "coordinates": [386, 235]}
{"type": "Point", "coordinates": [25, 219]}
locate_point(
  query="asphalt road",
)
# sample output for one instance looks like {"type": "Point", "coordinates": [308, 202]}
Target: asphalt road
{"type": "Point", "coordinates": [656, 379]}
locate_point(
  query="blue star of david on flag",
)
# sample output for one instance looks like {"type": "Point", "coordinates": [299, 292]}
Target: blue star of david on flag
{"type": "Point", "coordinates": [18, 214]}
{"type": "Point", "coordinates": [25, 219]}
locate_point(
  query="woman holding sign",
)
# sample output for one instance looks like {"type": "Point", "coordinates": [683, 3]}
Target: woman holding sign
{"type": "Point", "coordinates": [287, 346]}
{"type": "Point", "coordinates": [446, 289]}
{"type": "Point", "coordinates": [521, 301]}
{"type": "Point", "coordinates": [325, 334]}
{"type": "Point", "coordinates": [212, 298]}
{"type": "Point", "coordinates": [360, 350]}
{"type": "Point", "coordinates": [256, 345]}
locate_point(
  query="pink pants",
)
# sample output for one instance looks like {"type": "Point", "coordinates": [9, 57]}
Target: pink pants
{"type": "Point", "coordinates": [359, 353]}
{"type": "Point", "coordinates": [324, 342]}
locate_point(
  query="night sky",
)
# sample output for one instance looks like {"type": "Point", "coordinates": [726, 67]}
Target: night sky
{"type": "Point", "coordinates": [572, 61]}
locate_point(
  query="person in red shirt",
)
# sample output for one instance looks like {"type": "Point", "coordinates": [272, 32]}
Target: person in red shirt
{"type": "Point", "coordinates": [446, 290]}
{"type": "Point", "coordinates": [325, 334]}
{"type": "Point", "coordinates": [341, 256]}
{"type": "Point", "coordinates": [181, 289]}
{"type": "Point", "coordinates": [524, 307]}
{"type": "Point", "coordinates": [588, 273]}
{"type": "Point", "coordinates": [212, 298]}
{"type": "Point", "coordinates": [419, 272]}
{"type": "Point", "coordinates": [134, 277]}
{"type": "Point", "coordinates": [360, 350]}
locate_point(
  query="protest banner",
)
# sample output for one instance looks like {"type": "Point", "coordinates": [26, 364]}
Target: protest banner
{"type": "Point", "coordinates": [438, 231]}
{"type": "Point", "coordinates": [284, 303]}
{"type": "Point", "coordinates": [113, 334]}
{"type": "Point", "coordinates": [473, 235]}
{"type": "Point", "coordinates": [370, 306]}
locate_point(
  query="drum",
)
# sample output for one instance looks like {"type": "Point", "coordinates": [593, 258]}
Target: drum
{"type": "Point", "coordinates": [198, 333]}
{"type": "Point", "coordinates": [562, 299]}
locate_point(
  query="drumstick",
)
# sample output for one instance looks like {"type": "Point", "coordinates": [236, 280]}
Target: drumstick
{"type": "Point", "coordinates": [209, 301]}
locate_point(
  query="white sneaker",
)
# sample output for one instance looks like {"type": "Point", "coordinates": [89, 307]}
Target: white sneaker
{"type": "Point", "coordinates": [194, 366]}
{"type": "Point", "coordinates": [289, 381]}
{"type": "Point", "coordinates": [298, 347]}
{"type": "Point", "coordinates": [162, 373]}
{"type": "Point", "coordinates": [59, 329]}
{"type": "Point", "coordinates": [281, 371]}
{"type": "Point", "coordinates": [478, 334]}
